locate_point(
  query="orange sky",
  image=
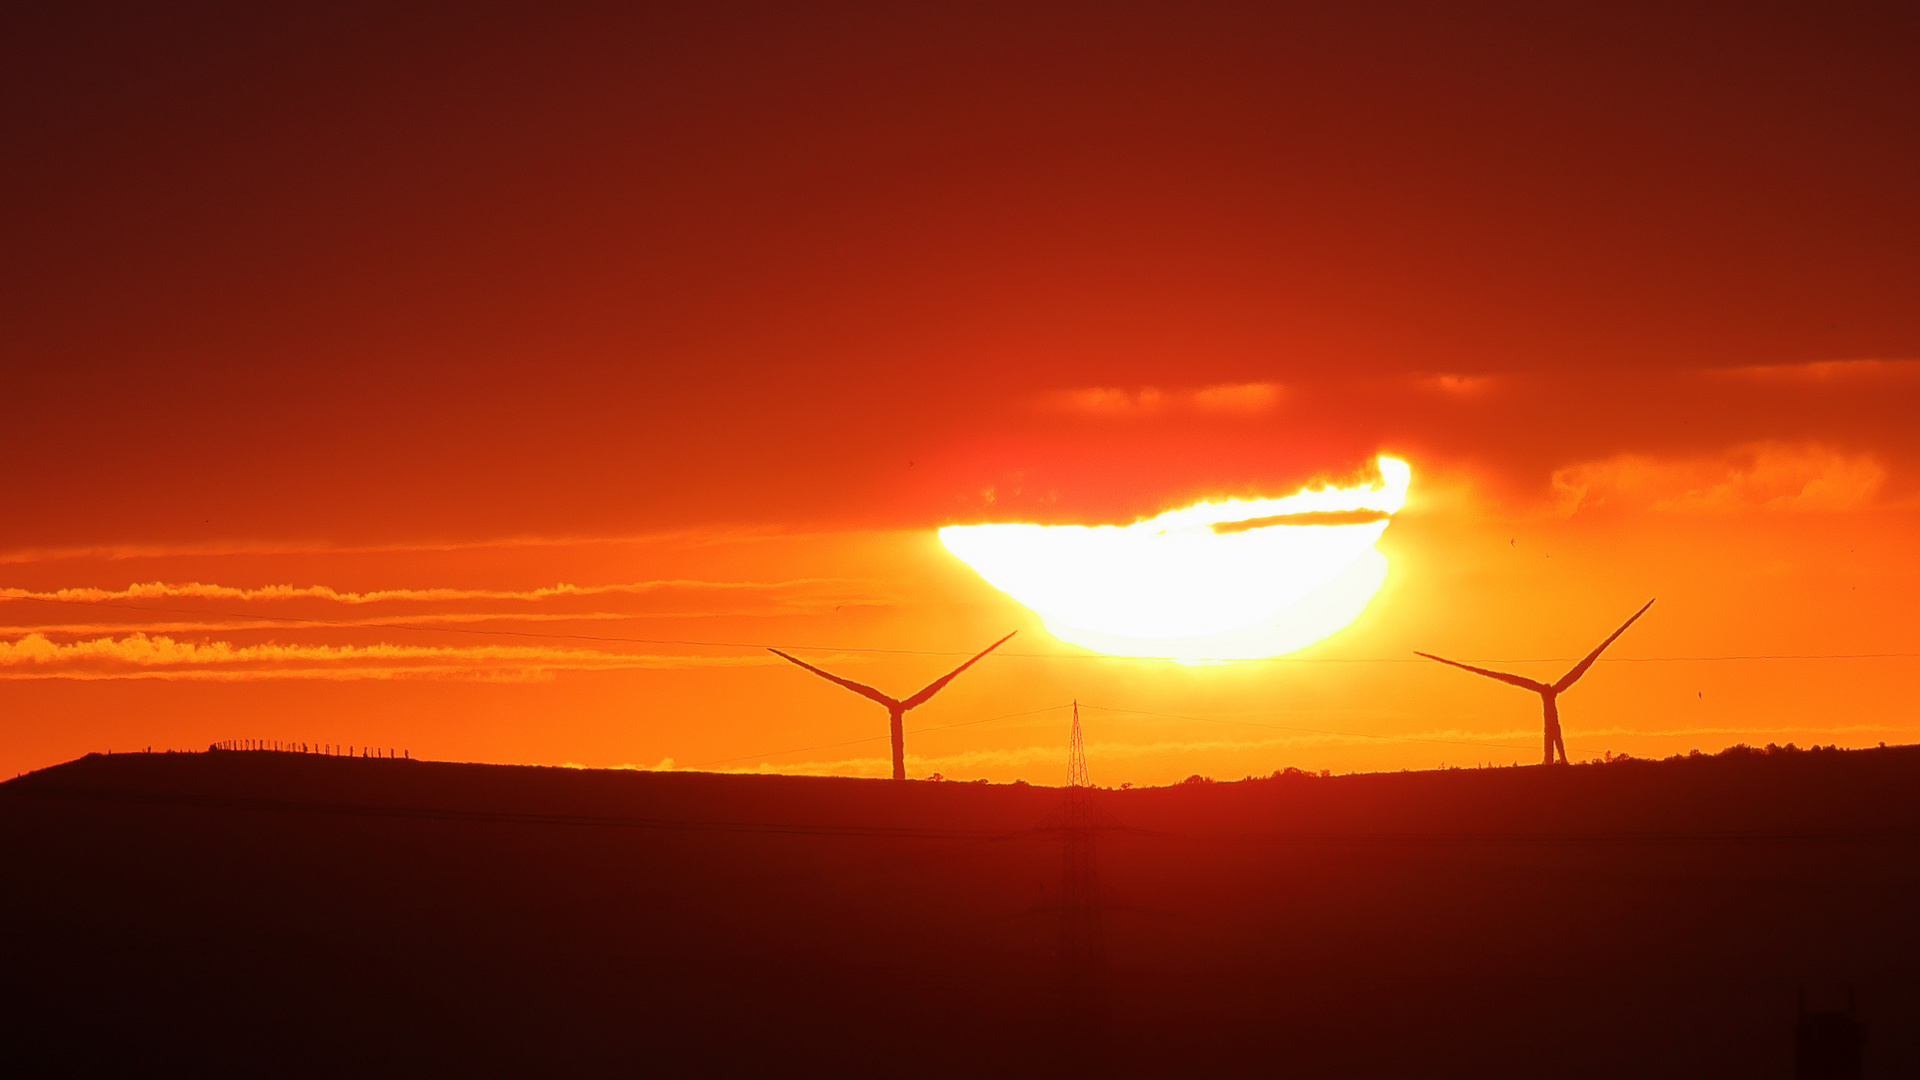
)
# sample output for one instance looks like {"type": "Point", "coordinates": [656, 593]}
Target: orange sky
{"type": "Point", "coordinates": [716, 314]}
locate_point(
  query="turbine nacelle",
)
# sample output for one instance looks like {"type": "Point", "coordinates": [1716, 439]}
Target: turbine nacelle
{"type": "Point", "coordinates": [896, 707]}
{"type": "Point", "coordinates": [1548, 692]}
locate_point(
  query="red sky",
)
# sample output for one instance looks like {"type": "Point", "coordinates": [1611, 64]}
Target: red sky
{"type": "Point", "coordinates": [490, 298]}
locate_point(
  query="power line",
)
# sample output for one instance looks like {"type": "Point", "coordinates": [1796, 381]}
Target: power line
{"type": "Point", "coordinates": [1107, 708]}
{"type": "Point", "coordinates": [1545, 839]}
{"type": "Point", "coordinates": [701, 643]}
{"type": "Point", "coordinates": [1870, 835]}
{"type": "Point", "coordinates": [872, 738]}
{"type": "Point", "coordinates": [508, 817]}
{"type": "Point", "coordinates": [1311, 731]}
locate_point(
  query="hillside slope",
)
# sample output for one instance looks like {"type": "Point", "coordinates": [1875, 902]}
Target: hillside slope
{"type": "Point", "coordinates": [267, 913]}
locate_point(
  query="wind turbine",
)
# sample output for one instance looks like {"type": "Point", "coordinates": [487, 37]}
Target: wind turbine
{"type": "Point", "coordinates": [1548, 691]}
{"type": "Point", "coordinates": [896, 708]}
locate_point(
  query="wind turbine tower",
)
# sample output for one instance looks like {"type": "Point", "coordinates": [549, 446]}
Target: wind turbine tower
{"type": "Point", "coordinates": [1549, 692]}
{"type": "Point", "coordinates": [896, 708]}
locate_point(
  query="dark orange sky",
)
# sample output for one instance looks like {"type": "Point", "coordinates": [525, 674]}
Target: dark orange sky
{"type": "Point", "coordinates": [296, 297]}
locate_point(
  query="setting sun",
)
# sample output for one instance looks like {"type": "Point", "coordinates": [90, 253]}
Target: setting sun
{"type": "Point", "coordinates": [1238, 578]}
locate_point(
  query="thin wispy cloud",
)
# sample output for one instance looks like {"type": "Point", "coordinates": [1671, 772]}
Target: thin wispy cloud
{"type": "Point", "coordinates": [321, 674]}
{"type": "Point", "coordinates": [1766, 476]}
{"type": "Point", "coordinates": [1456, 386]}
{"type": "Point", "coordinates": [686, 538]}
{"type": "Point", "coordinates": [1828, 373]}
{"type": "Point", "coordinates": [268, 593]}
{"type": "Point", "coordinates": [1736, 732]}
{"type": "Point", "coordinates": [141, 655]}
{"type": "Point", "coordinates": [1226, 399]}
{"type": "Point", "coordinates": [369, 622]}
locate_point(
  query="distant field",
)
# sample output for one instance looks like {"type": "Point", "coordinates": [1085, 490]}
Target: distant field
{"type": "Point", "coordinates": [260, 913]}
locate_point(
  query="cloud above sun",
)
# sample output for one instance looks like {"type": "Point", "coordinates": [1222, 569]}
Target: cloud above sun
{"type": "Point", "coordinates": [1224, 399]}
{"type": "Point", "coordinates": [1769, 476]}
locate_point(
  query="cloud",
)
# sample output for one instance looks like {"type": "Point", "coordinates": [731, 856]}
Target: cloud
{"type": "Point", "coordinates": [1767, 476]}
{"type": "Point", "coordinates": [66, 610]}
{"type": "Point", "coordinates": [1248, 398]}
{"type": "Point", "coordinates": [321, 674]}
{"type": "Point", "coordinates": [142, 655]}
{"type": "Point", "coordinates": [1226, 399]}
{"type": "Point", "coordinates": [199, 590]}
{"type": "Point", "coordinates": [1828, 373]}
{"type": "Point", "coordinates": [1739, 732]}
{"type": "Point", "coordinates": [1458, 386]}
{"type": "Point", "coordinates": [704, 537]}
{"type": "Point", "coordinates": [439, 618]}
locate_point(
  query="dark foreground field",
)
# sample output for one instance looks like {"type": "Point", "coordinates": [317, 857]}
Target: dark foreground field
{"type": "Point", "coordinates": [242, 913]}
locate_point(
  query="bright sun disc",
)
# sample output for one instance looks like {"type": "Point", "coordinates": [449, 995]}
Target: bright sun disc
{"type": "Point", "coordinates": [1240, 578]}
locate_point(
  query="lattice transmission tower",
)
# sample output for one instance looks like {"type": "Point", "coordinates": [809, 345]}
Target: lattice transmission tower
{"type": "Point", "coordinates": [1077, 755]}
{"type": "Point", "coordinates": [1082, 950]}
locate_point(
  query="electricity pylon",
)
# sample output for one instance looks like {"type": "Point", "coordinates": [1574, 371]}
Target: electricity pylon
{"type": "Point", "coordinates": [1080, 944]}
{"type": "Point", "coordinates": [1548, 692]}
{"type": "Point", "coordinates": [896, 708]}
{"type": "Point", "coordinates": [1082, 949]}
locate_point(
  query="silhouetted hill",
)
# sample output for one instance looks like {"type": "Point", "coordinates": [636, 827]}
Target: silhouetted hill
{"type": "Point", "coordinates": [258, 913]}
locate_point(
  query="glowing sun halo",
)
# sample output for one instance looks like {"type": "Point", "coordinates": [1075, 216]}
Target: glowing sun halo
{"type": "Point", "coordinates": [1240, 578]}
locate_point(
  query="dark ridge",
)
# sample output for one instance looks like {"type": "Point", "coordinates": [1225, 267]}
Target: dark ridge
{"type": "Point", "coordinates": [262, 913]}
{"type": "Point", "coordinates": [1306, 517]}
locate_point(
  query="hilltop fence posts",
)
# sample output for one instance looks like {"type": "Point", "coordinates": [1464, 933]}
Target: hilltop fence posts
{"type": "Point", "coordinates": [285, 746]}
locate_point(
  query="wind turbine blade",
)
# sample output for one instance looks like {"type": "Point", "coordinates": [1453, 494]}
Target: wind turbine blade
{"type": "Point", "coordinates": [934, 687]}
{"type": "Point", "coordinates": [859, 688]}
{"type": "Point", "coordinates": [1517, 680]}
{"type": "Point", "coordinates": [1580, 668]}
